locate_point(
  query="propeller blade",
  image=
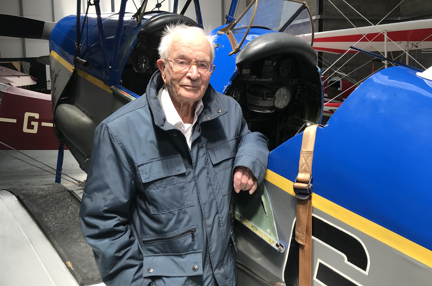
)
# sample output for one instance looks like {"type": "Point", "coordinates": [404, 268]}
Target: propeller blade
{"type": "Point", "coordinates": [20, 27]}
{"type": "Point", "coordinates": [43, 60]}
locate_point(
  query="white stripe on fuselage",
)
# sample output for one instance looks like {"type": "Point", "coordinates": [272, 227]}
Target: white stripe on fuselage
{"type": "Point", "coordinates": [8, 120]}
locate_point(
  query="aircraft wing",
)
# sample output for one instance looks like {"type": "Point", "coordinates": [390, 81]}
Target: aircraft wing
{"type": "Point", "coordinates": [15, 78]}
{"type": "Point", "coordinates": [411, 35]}
{"type": "Point", "coordinates": [29, 248]}
{"type": "Point", "coordinates": [40, 236]}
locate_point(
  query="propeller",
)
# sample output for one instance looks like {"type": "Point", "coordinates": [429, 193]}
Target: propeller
{"type": "Point", "coordinates": [43, 60]}
{"type": "Point", "coordinates": [20, 27]}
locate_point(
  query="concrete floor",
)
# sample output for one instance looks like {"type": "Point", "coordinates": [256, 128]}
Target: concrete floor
{"type": "Point", "coordinates": [15, 173]}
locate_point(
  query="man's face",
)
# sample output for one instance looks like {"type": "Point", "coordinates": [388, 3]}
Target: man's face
{"type": "Point", "coordinates": [190, 85]}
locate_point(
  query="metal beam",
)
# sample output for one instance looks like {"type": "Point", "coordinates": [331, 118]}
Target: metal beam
{"type": "Point", "coordinates": [385, 49]}
{"type": "Point", "coordinates": [23, 40]}
{"type": "Point", "coordinates": [407, 54]}
{"type": "Point", "coordinates": [320, 28]}
{"type": "Point", "coordinates": [53, 11]}
{"type": "Point", "coordinates": [222, 11]}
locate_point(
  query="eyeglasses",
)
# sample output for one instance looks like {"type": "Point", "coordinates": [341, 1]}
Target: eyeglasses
{"type": "Point", "coordinates": [184, 65]}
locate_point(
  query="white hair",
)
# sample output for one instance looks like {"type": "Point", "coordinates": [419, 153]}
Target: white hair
{"type": "Point", "coordinates": [174, 29]}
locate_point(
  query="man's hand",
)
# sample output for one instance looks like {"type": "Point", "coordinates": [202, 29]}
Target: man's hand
{"type": "Point", "coordinates": [244, 180]}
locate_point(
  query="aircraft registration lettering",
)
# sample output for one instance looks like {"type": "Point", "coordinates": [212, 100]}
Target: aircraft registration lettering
{"type": "Point", "coordinates": [35, 125]}
{"type": "Point", "coordinates": [328, 269]}
{"type": "Point", "coordinates": [328, 275]}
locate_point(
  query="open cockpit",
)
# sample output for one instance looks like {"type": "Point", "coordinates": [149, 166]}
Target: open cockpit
{"type": "Point", "coordinates": [141, 63]}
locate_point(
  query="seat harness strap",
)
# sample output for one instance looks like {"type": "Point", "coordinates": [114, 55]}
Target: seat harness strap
{"type": "Point", "coordinates": [303, 190]}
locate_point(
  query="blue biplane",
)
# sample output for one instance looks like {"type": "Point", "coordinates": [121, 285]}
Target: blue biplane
{"type": "Point", "coordinates": [270, 72]}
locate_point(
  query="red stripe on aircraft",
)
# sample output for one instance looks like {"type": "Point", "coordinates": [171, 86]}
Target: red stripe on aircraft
{"type": "Point", "coordinates": [406, 35]}
{"type": "Point", "coordinates": [331, 104]}
{"type": "Point", "coordinates": [337, 51]}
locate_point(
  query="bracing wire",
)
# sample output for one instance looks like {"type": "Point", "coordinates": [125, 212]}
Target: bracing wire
{"type": "Point", "coordinates": [375, 27]}
{"type": "Point", "coordinates": [133, 1]}
{"type": "Point", "coordinates": [158, 5]}
{"type": "Point", "coordinates": [339, 72]}
{"type": "Point", "coordinates": [54, 174]}
{"type": "Point", "coordinates": [360, 81]}
{"type": "Point", "coordinates": [331, 66]}
{"type": "Point", "coordinates": [77, 182]}
{"type": "Point", "coordinates": [349, 58]}
{"type": "Point", "coordinates": [364, 35]}
{"type": "Point", "coordinates": [336, 70]}
{"type": "Point", "coordinates": [347, 75]}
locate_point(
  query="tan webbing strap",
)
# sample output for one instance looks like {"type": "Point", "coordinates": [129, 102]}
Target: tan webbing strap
{"type": "Point", "coordinates": [304, 207]}
{"type": "Point", "coordinates": [303, 231]}
{"type": "Point", "coordinates": [306, 156]}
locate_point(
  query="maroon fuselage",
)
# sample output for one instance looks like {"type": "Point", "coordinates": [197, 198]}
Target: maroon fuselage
{"type": "Point", "coordinates": [26, 120]}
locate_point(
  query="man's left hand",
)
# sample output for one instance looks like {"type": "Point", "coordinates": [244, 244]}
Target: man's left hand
{"type": "Point", "coordinates": [244, 180]}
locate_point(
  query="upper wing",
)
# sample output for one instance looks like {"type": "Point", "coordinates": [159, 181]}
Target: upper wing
{"type": "Point", "coordinates": [409, 35]}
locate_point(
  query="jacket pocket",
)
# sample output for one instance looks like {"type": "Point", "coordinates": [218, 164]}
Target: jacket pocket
{"type": "Point", "coordinates": [176, 242]}
{"type": "Point", "coordinates": [173, 259]}
{"type": "Point", "coordinates": [164, 181]}
{"type": "Point", "coordinates": [187, 264]}
{"type": "Point", "coordinates": [222, 157]}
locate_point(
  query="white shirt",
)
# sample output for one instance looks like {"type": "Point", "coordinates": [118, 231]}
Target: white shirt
{"type": "Point", "coordinates": [174, 118]}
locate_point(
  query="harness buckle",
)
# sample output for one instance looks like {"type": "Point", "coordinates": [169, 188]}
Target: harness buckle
{"type": "Point", "coordinates": [301, 192]}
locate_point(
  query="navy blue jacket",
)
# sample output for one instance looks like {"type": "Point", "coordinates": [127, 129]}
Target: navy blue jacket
{"type": "Point", "coordinates": [155, 211]}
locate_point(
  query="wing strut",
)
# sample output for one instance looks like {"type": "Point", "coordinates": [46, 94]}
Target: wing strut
{"type": "Point", "coordinates": [78, 24]}
{"type": "Point", "coordinates": [101, 35]}
{"type": "Point", "coordinates": [114, 71]}
{"type": "Point", "coordinates": [59, 163]}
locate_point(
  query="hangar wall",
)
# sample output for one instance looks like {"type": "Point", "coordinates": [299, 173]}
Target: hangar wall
{"type": "Point", "coordinates": [327, 15]}
{"type": "Point", "coordinates": [213, 13]}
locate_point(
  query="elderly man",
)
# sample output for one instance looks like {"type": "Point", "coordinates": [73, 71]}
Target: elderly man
{"type": "Point", "coordinates": [157, 207]}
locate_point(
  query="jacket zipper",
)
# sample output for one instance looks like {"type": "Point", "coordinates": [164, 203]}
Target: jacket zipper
{"type": "Point", "coordinates": [191, 231]}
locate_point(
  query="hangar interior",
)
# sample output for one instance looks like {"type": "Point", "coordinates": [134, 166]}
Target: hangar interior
{"type": "Point", "coordinates": [340, 14]}
{"type": "Point", "coordinates": [327, 15]}
{"type": "Point", "coordinates": [250, 86]}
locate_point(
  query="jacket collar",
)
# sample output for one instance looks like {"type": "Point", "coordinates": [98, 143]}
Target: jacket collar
{"type": "Point", "coordinates": [213, 107]}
